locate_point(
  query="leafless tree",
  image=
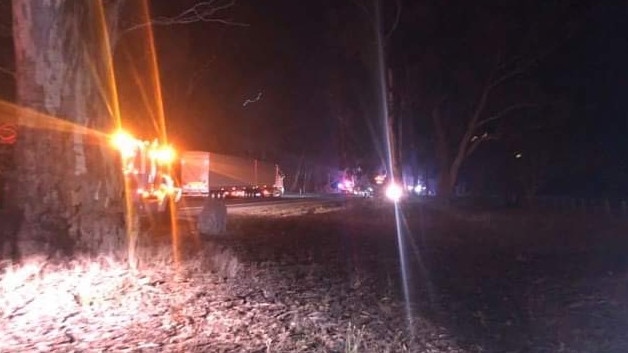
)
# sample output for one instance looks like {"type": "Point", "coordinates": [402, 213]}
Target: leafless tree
{"type": "Point", "coordinates": [473, 73]}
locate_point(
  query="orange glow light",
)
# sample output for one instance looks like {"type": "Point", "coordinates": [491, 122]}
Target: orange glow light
{"type": "Point", "coordinates": [125, 143]}
{"type": "Point", "coordinates": [164, 154]}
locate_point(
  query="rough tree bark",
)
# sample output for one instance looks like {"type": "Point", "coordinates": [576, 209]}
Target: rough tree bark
{"type": "Point", "coordinates": [68, 183]}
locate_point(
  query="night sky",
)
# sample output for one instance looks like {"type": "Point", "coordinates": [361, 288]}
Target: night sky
{"type": "Point", "coordinates": [281, 62]}
{"type": "Point", "coordinates": [310, 61]}
{"type": "Point", "coordinates": [297, 81]}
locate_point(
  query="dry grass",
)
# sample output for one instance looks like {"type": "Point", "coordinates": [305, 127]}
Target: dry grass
{"type": "Point", "coordinates": [212, 301]}
{"type": "Point", "coordinates": [325, 282]}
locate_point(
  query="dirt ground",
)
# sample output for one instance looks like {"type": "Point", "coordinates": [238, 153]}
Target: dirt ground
{"type": "Point", "coordinates": [330, 279]}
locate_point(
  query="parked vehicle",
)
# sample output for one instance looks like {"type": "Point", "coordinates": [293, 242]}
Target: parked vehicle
{"type": "Point", "coordinates": [206, 174]}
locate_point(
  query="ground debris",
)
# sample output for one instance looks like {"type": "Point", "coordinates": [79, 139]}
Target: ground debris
{"type": "Point", "coordinates": [311, 284]}
{"type": "Point", "coordinates": [152, 311]}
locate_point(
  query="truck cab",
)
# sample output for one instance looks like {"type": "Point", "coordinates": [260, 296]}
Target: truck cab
{"type": "Point", "coordinates": [146, 167]}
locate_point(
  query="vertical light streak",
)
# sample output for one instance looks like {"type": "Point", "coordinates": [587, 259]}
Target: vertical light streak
{"type": "Point", "coordinates": [161, 119]}
{"type": "Point", "coordinates": [403, 262]}
{"type": "Point", "coordinates": [145, 98]}
{"type": "Point", "coordinates": [106, 50]}
{"type": "Point", "coordinates": [381, 68]}
{"type": "Point", "coordinates": [154, 74]}
{"type": "Point", "coordinates": [114, 107]}
{"type": "Point", "coordinates": [381, 65]}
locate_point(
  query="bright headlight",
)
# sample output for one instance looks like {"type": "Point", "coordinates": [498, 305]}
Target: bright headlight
{"type": "Point", "coordinates": [394, 192]}
{"type": "Point", "coordinates": [125, 143]}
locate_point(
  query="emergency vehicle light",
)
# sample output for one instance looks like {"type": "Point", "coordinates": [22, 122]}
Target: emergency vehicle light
{"type": "Point", "coordinates": [163, 154]}
{"type": "Point", "coordinates": [125, 143]}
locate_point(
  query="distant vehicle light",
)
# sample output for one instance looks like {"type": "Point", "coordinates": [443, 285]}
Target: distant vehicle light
{"type": "Point", "coordinates": [394, 192]}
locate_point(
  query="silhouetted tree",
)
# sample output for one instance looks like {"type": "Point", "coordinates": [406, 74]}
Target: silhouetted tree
{"type": "Point", "coordinates": [472, 69]}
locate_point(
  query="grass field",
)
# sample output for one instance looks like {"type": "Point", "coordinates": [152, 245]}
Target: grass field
{"type": "Point", "coordinates": [329, 280]}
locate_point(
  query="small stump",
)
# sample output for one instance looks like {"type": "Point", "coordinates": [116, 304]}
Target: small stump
{"type": "Point", "coordinates": [213, 218]}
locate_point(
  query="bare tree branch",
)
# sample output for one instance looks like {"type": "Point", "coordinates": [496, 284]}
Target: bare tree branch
{"type": "Point", "coordinates": [362, 7]}
{"type": "Point", "coordinates": [204, 11]}
{"type": "Point", "coordinates": [473, 147]}
{"type": "Point", "coordinates": [201, 12]}
{"type": "Point", "coordinates": [520, 64]}
{"type": "Point", "coordinates": [505, 71]}
{"type": "Point", "coordinates": [396, 20]}
{"type": "Point", "coordinates": [505, 112]}
{"type": "Point", "coordinates": [479, 109]}
{"type": "Point", "coordinates": [475, 143]}
{"type": "Point", "coordinates": [372, 18]}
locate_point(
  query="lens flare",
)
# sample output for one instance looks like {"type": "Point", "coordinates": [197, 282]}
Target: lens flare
{"type": "Point", "coordinates": [161, 120]}
{"type": "Point", "coordinates": [33, 119]}
{"type": "Point", "coordinates": [125, 143]}
{"type": "Point", "coordinates": [154, 73]}
{"type": "Point", "coordinates": [394, 192]}
{"type": "Point", "coordinates": [110, 87]}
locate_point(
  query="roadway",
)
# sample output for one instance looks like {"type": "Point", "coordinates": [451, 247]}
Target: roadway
{"type": "Point", "coordinates": [191, 207]}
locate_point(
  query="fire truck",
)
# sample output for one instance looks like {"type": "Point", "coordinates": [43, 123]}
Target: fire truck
{"type": "Point", "coordinates": [147, 168]}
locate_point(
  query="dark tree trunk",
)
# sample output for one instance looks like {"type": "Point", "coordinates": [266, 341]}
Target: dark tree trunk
{"type": "Point", "coordinates": [394, 131]}
{"type": "Point", "coordinates": [68, 183]}
{"type": "Point", "coordinates": [444, 186]}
